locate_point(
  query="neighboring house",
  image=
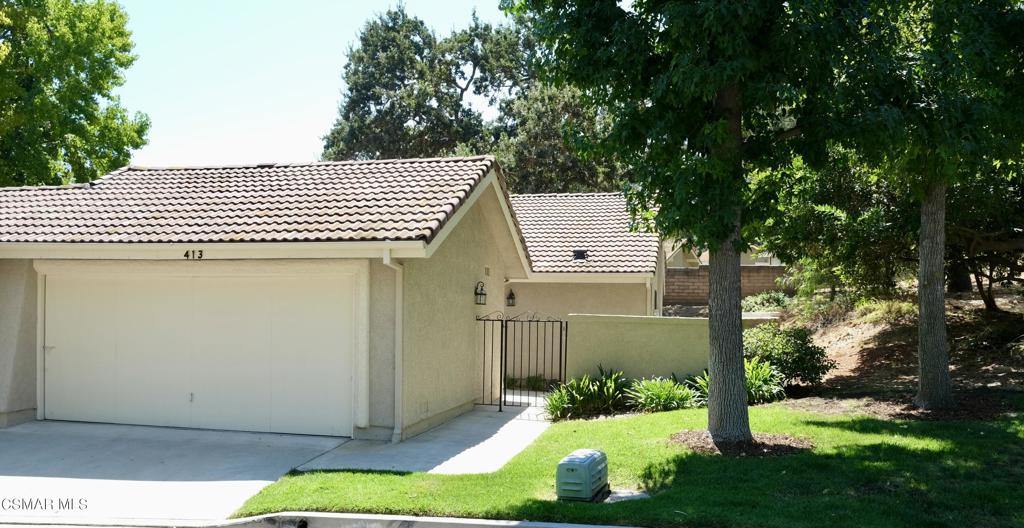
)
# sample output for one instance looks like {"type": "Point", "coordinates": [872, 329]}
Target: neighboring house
{"type": "Point", "coordinates": [686, 275]}
{"type": "Point", "coordinates": [325, 298]}
{"type": "Point", "coordinates": [586, 258]}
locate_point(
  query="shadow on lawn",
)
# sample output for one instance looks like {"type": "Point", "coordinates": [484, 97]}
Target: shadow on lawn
{"type": "Point", "coordinates": [915, 474]}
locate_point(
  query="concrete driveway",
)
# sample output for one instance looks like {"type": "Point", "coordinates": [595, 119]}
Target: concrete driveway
{"type": "Point", "coordinates": [64, 472]}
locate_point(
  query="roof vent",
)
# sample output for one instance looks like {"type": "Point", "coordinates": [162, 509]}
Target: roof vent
{"type": "Point", "coordinates": [579, 254]}
{"type": "Point", "coordinates": [266, 165]}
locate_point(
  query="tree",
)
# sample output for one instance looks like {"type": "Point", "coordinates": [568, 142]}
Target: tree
{"type": "Point", "coordinates": [856, 229]}
{"type": "Point", "coordinates": [407, 95]}
{"type": "Point", "coordinates": [404, 93]}
{"type": "Point", "coordinates": [60, 61]}
{"type": "Point", "coordinates": [537, 135]}
{"type": "Point", "coordinates": [939, 103]}
{"type": "Point", "coordinates": [859, 229]}
{"type": "Point", "coordinates": [702, 95]}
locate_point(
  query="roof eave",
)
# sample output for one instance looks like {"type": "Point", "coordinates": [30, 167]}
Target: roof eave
{"type": "Point", "coordinates": [211, 250]}
{"type": "Point", "coordinates": [590, 277]}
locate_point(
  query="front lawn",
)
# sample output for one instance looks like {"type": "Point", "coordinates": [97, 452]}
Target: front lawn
{"type": "Point", "coordinates": [863, 472]}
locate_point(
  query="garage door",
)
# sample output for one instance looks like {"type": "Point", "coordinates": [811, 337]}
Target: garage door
{"type": "Point", "coordinates": [259, 353]}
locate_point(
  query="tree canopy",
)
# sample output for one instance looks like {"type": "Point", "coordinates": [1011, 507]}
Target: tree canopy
{"type": "Point", "coordinates": [931, 95]}
{"type": "Point", "coordinates": [405, 89]}
{"type": "Point", "coordinates": [60, 61]}
{"type": "Point", "coordinates": [702, 95]}
{"type": "Point", "coordinates": [409, 93]}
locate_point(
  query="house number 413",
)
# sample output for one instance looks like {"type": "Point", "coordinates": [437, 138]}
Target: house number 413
{"type": "Point", "coordinates": [194, 254]}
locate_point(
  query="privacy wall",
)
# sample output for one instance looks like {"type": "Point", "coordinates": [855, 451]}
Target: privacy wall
{"type": "Point", "coordinates": [641, 347]}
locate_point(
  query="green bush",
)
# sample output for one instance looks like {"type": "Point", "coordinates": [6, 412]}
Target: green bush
{"type": "Point", "coordinates": [769, 301]}
{"type": "Point", "coordinates": [790, 350]}
{"type": "Point", "coordinates": [821, 310]}
{"type": "Point", "coordinates": [764, 382]}
{"type": "Point", "coordinates": [660, 394]}
{"type": "Point", "coordinates": [885, 311]}
{"type": "Point", "coordinates": [588, 396]}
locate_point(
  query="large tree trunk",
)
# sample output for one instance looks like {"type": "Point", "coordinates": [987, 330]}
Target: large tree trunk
{"type": "Point", "coordinates": [727, 392]}
{"type": "Point", "coordinates": [934, 389]}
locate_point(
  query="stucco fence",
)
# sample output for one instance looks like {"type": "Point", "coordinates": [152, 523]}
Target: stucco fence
{"type": "Point", "coordinates": [642, 346]}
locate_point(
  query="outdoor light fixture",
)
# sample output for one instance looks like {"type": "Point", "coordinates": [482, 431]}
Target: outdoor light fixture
{"type": "Point", "coordinates": [510, 300]}
{"type": "Point", "coordinates": [481, 293]}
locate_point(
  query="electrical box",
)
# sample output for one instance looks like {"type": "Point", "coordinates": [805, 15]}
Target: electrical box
{"type": "Point", "coordinates": [582, 476]}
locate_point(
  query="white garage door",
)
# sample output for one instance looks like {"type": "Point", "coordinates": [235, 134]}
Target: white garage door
{"type": "Point", "coordinates": [267, 353]}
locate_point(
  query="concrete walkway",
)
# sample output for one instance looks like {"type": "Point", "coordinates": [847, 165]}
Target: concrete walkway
{"type": "Point", "coordinates": [480, 441]}
{"type": "Point", "coordinates": [139, 475]}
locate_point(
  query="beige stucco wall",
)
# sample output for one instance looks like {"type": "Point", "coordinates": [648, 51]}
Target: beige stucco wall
{"type": "Point", "coordinates": [641, 346]}
{"type": "Point", "coordinates": [442, 365]}
{"type": "Point", "coordinates": [382, 350]}
{"type": "Point", "coordinates": [17, 341]}
{"type": "Point", "coordinates": [559, 299]}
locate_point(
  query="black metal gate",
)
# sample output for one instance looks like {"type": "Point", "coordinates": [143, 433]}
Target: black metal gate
{"type": "Point", "coordinates": [523, 357]}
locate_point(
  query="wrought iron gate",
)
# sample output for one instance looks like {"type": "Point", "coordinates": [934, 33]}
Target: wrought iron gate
{"type": "Point", "coordinates": [523, 357]}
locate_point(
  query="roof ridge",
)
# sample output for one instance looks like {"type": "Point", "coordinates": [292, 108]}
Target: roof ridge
{"type": "Point", "coordinates": [545, 195]}
{"type": "Point", "coordinates": [481, 157]}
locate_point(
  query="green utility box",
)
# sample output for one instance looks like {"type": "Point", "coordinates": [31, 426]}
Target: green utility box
{"type": "Point", "coordinates": [582, 476]}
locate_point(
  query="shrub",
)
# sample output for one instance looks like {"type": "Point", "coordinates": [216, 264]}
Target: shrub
{"type": "Point", "coordinates": [558, 404]}
{"type": "Point", "coordinates": [790, 350]}
{"type": "Point", "coordinates": [885, 311]}
{"type": "Point", "coordinates": [820, 311]}
{"type": "Point", "coordinates": [764, 382]}
{"type": "Point", "coordinates": [660, 394]}
{"type": "Point", "coordinates": [699, 384]}
{"type": "Point", "coordinates": [588, 396]}
{"type": "Point", "coordinates": [769, 301]}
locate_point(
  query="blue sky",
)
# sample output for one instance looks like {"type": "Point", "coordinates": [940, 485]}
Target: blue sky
{"type": "Point", "coordinates": [249, 81]}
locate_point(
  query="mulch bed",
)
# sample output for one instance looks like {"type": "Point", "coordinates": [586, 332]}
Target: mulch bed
{"type": "Point", "coordinates": [764, 444]}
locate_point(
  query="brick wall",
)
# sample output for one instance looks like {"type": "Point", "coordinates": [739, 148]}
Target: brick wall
{"type": "Point", "coordinates": [690, 285]}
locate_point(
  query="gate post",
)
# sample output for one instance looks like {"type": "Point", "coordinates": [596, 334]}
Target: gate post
{"type": "Point", "coordinates": [501, 369]}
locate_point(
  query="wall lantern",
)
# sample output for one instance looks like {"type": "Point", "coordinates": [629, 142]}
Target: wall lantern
{"type": "Point", "coordinates": [480, 293]}
{"type": "Point", "coordinates": [510, 300]}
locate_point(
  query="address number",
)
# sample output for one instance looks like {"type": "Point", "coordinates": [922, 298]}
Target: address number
{"type": "Point", "coordinates": [194, 254]}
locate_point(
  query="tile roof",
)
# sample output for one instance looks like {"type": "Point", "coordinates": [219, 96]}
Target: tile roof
{"type": "Point", "coordinates": [554, 225]}
{"type": "Point", "coordinates": [327, 201]}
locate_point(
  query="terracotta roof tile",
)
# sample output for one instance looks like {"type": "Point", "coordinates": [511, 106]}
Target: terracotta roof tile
{"type": "Point", "coordinates": [328, 201]}
{"type": "Point", "coordinates": [554, 225]}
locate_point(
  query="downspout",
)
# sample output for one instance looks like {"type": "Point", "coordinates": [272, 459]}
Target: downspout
{"type": "Point", "coordinates": [399, 308]}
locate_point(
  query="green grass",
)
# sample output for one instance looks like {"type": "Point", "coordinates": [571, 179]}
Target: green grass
{"type": "Point", "coordinates": [863, 472]}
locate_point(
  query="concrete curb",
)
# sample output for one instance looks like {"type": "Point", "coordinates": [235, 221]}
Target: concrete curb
{"type": "Point", "coordinates": [301, 520]}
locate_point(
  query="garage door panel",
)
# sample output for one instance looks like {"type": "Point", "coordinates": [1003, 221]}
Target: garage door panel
{"type": "Point", "coordinates": [80, 353]}
{"type": "Point", "coordinates": [230, 368]}
{"type": "Point", "coordinates": [314, 360]}
{"type": "Point", "coordinates": [252, 353]}
{"type": "Point", "coordinates": [154, 351]}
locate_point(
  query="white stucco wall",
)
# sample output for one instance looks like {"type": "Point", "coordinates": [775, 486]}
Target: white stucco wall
{"type": "Point", "coordinates": [558, 299]}
{"type": "Point", "coordinates": [442, 366]}
{"type": "Point", "coordinates": [17, 341]}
